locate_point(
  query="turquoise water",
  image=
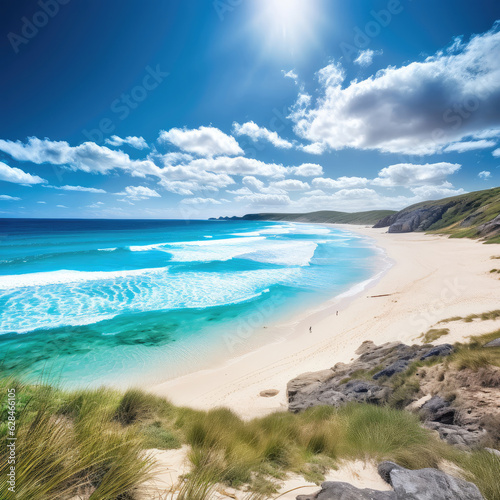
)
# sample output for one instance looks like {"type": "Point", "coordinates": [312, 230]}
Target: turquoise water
{"type": "Point", "coordinates": [92, 302]}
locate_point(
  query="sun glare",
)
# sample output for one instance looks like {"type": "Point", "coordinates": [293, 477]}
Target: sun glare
{"type": "Point", "coordinates": [286, 26]}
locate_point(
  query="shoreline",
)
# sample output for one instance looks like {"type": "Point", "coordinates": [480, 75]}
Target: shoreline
{"type": "Point", "coordinates": [432, 278]}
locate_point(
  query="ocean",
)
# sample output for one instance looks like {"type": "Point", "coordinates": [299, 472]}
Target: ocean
{"type": "Point", "coordinates": [91, 302]}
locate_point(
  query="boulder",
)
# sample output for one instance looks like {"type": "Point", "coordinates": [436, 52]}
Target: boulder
{"type": "Point", "coordinates": [439, 350]}
{"type": "Point", "coordinates": [331, 490]}
{"type": "Point", "coordinates": [493, 343]}
{"type": "Point", "coordinates": [422, 484]}
{"type": "Point", "coordinates": [438, 410]}
{"type": "Point", "coordinates": [463, 437]}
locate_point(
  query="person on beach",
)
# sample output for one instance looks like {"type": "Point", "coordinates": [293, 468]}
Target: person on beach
{"type": "Point", "coordinates": [310, 329]}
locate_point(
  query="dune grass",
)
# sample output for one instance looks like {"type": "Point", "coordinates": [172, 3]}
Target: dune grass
{"type": "Point", "coordinates": [489, 315]}
{"type": "Point", "coordinates": [94, 441]}
{"type": "Point", "coordinates": [434, 334]}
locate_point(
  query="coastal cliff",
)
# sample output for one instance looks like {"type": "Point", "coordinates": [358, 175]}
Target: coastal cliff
{"type": "Point", "coordinates": [473, 215]}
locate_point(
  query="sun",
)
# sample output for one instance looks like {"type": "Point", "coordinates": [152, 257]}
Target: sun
{"type": "Point", "coordinates": [286, 27]}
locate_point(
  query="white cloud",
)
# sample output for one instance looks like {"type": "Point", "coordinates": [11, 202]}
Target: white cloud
{"type": "Point", "coordinates": [139, 193]}
{"type": "Point", "coordinates": [464, 146]}
{"type": "Point", "coordinates": [87, 157]}
{"type": "Point", "coordinates": [306, 170]}
{"type": "Point", "coordinates": [291, 185]}
{"type": "Point", "coordinates": [365, 57]}
{"type": "Point", "coordinates": [436, 192]}
{"type": "Point", "coordinates": [419, 108]}
{"type": "Point", "coordinates": [290, 74]}
{"type": "Point", "coordinates": [340, 183]}
{"type": "Point", "coordinates": [256, 133]}
{"type": "Point", "coordinates": [18, 176]}
{"type": "Point", "coordinates": [496, 153]}
{"type": "Point", "coordinates": [97, 204]}
{"type": "Point", "coordinates": [61, 206]}
{"type": "Point", "coordinates": [200, 201]}
{"type": "Point", "coordinates": [238, 165]}
{"type": "Point", "coordinates": [79, 188]}
{"type": "Point", "coordinates": [203, 141]}
{"type": "Point", "coordinates": [240, 191]}
{"type": "Point", "coordinates": [133, 141]}
{"type": "Point", "coordinates": [42, 202]}
{"type": "Point", "coordinates": [6, 197]}
{"type": "Point", "coordinates": [253, 182]}
{"type": "Point", "coordinates": [265, 199]}
{"type": "Point", "coordinates": [409, 174]}
{"type": "Point", "coordinates": [485, 175]}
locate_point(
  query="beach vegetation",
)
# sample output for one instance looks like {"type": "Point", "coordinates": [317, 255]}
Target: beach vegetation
{"type": "Point", "coordinates": [434, 334]}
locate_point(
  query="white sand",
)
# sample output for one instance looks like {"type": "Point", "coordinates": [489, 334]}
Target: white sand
{"type": "Point", "coordinates": [432, 278]}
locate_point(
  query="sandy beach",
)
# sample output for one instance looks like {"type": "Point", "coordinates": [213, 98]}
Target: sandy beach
{"type": "Point", "coordinates": [432, 278]}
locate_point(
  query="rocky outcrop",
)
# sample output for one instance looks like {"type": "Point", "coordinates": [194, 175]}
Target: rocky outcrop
{"type": "Point", "coordinates": [419, 219]}
{"type": "Point", "coordinates": [342, 383]}
{"type": "Point", "coordinates": [489, 229]}
{"type": "Point", "coordinates": [461, 405]}
{"type": "Point", "coordinates": [422, 484]}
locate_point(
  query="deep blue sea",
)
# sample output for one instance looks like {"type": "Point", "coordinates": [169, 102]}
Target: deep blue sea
{"type": "Point", "coordinates": [89, 302]}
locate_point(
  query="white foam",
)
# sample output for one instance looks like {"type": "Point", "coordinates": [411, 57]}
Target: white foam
{"type": "Point", "coordinates": [77, 302]}
{"type": "Point", "coordinates": [106, 249]}
{"type": "Point", "coordinates": [64, 276]}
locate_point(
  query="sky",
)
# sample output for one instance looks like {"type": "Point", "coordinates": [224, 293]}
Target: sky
{"type": "Point", "coordinates": [207, 108]}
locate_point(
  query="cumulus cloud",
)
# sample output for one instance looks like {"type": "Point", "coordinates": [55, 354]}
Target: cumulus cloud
{"type": "Point", "coordinates": [257, 133]}
{"type": "Point", "coordinates": [200, 201]}
{"type": "Point", "coordinates": [133, 141]}
{"type": "Point", "coordinates": [464, 146]}
{"type": "Point", "coordinates": [139, 193]}
{"type": "Point", "coordinates": [253, 182]}
{"type": "Point", "coordinates": [340, 183]}
{"type": "Point", "coordinates": [365, 57]}
{"type": "Point", "coordinates": [18, 176]}
{"type": "Point", "coordinates": [87, 157]}
{"type": "Point", "coordinates": [6, 197]}
{"type": "Point", "coordinates": [79, 188]}
{"type": "Point", "coordinates": [409, 174]}
{"type": "Point", "coordinates": [290, 74]}
{"type": "Point", "coordinates": [306, 170]}
{"type": "Point", "coordinates": [203, 141]}
{"type": "Point", "coordinates": [419, 108]}
{"type": "Point", "coordinates": [291, 185]}
{"type": "Point", "coordinates": [265, 199]}
{"type": "Point", "coordinates": [496, 153]}
{"type": "Point", "coordinates": [485, 175]}
{"type": "Point", "coordinates": [238, 165]}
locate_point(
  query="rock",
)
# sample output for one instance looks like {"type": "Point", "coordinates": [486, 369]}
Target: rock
{"type": "Point", "coordinates": [439, 350]}
{"type": "Point", "coordinates": [416, 219]}
{"type": "Point", "coordinates": [423, 484]}
{"type": "Point", "coordinates": [493, 343]}
{"type": "Point", "coordinates": [438, 410]}
{"type": "Point", "coordinates": [463, 437]}
{"type": "Point", "coordinates": [331, 490]}
{"type": "Point", "coordinates": [269, 393]}
{"type": "Point", "coordinates": [490, 228]}
{"type": "Point", "coordinates": [397, 367]}
{"type": "Point", "coordinates": [431, 484]}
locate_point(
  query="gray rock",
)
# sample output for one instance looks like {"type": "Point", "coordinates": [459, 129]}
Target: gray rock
{"type": "Point", "coordinates": [439, 350]}
{"type": "Point", "coordinates": [423, 484]}
{"type": "Point", "coordinates": [438, 410]}
{"type": "Point", "coordinates": [463, 437]}
{"type": "Point", "coordinates": [431, 484]}
{"type": "Point", "coordinates": [493, 343]}
{"type": "Point", "coordinates": [413, 219]}
{"type": "Point", "coordinates": [490, 228]}
{"type": "Point", "coordinates": [344, 491]}
{"type": "Point", "coordinates": [269, 393]}
{"type": "Point", "coordinates": [397, 367]}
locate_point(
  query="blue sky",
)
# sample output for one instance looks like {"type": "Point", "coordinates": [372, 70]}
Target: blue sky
{"type": "Point", "coordinates": [176, 109]}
